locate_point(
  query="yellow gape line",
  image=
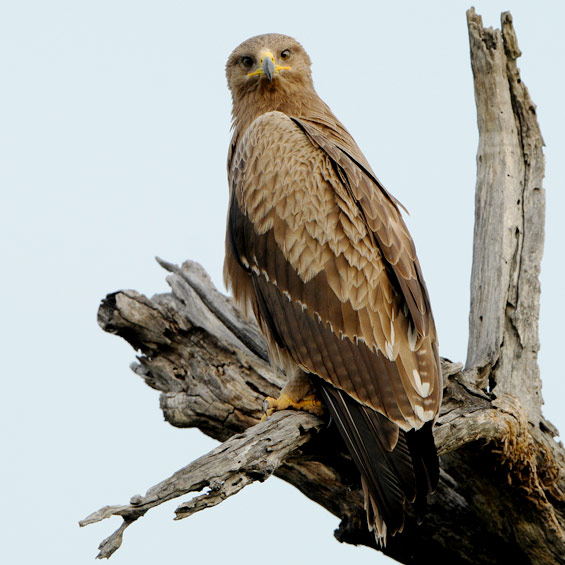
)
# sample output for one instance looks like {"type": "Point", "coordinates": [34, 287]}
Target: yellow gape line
{"type": "Point", "coordinates": [260, 70]}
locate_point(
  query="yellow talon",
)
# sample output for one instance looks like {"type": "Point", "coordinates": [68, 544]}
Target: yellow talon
{"type": "Point", "coordinates": [309, 403]}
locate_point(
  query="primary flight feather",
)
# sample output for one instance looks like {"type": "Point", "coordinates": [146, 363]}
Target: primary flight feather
{"type": "Point", "coordinates": [317, 249]}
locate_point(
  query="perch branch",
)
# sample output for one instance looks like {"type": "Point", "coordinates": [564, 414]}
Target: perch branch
{"type": "Point", "coordinates": [251, 456]}
{"type": "Point", "coordinates": [208, 381]}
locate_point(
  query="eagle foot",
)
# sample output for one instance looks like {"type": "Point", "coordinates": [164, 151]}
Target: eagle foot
{"type": "Point", "coordinates": [310, 403]}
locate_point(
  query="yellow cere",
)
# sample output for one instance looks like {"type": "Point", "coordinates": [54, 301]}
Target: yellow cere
{"type": "Point", "coordinates": [266, 54]}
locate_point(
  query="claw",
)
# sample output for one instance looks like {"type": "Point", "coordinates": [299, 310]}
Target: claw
{"type": "Point", "coordinates": [309, 404]}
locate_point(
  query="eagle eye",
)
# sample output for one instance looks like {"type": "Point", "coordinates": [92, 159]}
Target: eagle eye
{"type": "Point", "coordinates": [285, 54]}
{"type": "Point", "coordinates": [247, 62]}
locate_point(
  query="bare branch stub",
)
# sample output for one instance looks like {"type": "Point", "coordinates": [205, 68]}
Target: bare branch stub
{"type": "Point", "coordinates": [502, 478]}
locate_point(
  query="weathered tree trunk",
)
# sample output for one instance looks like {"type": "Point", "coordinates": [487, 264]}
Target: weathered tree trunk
{"type": "Point", "coordinates": [500, 497]}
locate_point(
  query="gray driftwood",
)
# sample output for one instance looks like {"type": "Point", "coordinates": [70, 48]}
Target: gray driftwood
{"type": "Point", "coordinates": [501, 492]}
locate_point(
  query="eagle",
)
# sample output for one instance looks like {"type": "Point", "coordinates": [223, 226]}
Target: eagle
{"type": "Point", "coordinates": [318, 252]}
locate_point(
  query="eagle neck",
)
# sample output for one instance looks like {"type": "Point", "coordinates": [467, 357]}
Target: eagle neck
{"type": "Point", "coordinates": [299, 101]}
{"type": "Point", "coordinates": [295, 100]}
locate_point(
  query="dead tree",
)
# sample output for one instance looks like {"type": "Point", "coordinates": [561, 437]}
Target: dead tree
{"type": "Point", "coordinates": [501, 492]}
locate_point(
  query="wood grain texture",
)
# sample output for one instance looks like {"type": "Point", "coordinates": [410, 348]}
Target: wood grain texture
{"type": "Point", "coordinates": [251, 456]}
{"type": "Point", "coordinates": [509, 219]}
{"type": "Point", "coordinates": [501, 494]}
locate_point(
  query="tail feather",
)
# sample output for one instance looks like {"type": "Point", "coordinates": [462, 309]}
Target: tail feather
{"type": "Point", "coordinates": [426, 465]}
{"type": "Point", "coordinates": [396, 466]}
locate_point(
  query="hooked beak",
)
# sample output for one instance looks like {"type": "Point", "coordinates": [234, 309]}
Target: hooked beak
{"type": "Point", "coordinates": [267, 66]}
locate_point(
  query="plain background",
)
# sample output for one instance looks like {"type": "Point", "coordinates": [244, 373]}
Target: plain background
{"type": "Point", "coordinates": [114, 127]}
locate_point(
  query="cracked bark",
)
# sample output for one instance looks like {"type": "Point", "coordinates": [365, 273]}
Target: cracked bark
{"type": "Point", "coordinates": [500, 496]}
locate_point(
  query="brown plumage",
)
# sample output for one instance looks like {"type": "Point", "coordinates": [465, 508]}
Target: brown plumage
{"type": "Point", "coordinates": [318, 250]}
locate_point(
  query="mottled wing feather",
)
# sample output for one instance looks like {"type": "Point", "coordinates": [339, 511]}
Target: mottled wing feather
{"type": "Point", "coordinates": [383, 218]}
{"type": "Point", "coordinates": [336, 281]}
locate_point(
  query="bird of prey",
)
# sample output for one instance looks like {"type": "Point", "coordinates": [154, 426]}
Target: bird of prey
{"type": "Point", "coordinates": [317, 249]}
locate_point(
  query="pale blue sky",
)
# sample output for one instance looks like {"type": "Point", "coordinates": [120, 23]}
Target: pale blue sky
{"type": "Point", "coordinates": [114, 127]}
